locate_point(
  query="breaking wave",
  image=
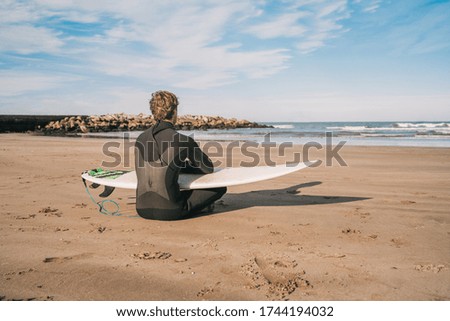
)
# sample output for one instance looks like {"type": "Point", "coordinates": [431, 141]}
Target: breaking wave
{"type": "Point", "coordinates": [421, 125]}
{"type": "Point", "coordinates": [287, 126]}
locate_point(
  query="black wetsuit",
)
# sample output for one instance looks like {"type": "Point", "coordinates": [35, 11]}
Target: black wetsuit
{"type": "Point", "coordinates": [161, 153]}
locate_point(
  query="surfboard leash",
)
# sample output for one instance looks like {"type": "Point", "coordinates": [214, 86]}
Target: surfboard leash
{"type": "Point", "coordinates": [101, 204]}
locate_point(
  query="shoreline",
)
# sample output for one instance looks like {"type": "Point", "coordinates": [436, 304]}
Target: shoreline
{"type": "Point", "coordinates": [104, 138]}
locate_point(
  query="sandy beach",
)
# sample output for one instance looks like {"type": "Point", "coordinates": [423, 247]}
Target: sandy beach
{"type": "Point", "coordinates": [378, 229]}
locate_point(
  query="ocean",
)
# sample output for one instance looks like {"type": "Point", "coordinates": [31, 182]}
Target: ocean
{"type": "Point", "coordinates": [424, 134]}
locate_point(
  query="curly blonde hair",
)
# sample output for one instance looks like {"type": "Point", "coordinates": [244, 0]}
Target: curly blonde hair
{"type": "Point", "coordinates": [163, 105]}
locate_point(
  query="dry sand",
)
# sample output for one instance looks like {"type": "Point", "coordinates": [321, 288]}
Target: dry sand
{"type": "Point", "coordinates": [378, 229]}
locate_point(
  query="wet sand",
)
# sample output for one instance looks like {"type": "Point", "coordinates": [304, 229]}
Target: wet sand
{"type": "Point", "coordinates": [378, 229]}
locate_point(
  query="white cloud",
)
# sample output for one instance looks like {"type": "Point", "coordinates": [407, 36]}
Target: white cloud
{"type": "Point", "coordinates": [310, 23]}
{"type": "Point", "coordinates": [310, 45]}
{"type": "Point", "coordinates": [331, 8]}
{"type": "Point", "coordinates": [285, 25]}
{"type": "Point", "coordinates": [224, 67]}
{"type": "Point", "coordinates": [372, 6]}
{"type": "Point", "coordinates": [324, 25]}
{"type": "Point", "coordinates": [15, 12]}
{"type": "Point", "coordinates": [26, 39]}
{"type": "Point", "coordinates": [17, 83]}
{"type": "Point", "coordinates": [196, 68]}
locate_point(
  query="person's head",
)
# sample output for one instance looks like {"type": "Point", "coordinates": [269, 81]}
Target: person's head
{"type": "Point", "coordinates": [163, 106]}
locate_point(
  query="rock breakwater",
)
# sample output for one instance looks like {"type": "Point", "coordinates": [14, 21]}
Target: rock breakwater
{"type": "Point", "coordinates": [126, 122]}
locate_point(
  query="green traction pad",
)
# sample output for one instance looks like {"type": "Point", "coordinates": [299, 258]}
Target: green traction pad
{"type": "Point", "coordinates": [106, 173]}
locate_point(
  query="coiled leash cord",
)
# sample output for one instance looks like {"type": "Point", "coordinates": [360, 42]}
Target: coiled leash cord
{"type": "Point", "coordinates": [108, 190]}
{"type": "Point", "coordinates": [101, 204]}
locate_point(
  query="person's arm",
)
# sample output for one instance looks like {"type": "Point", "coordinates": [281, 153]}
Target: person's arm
{"type": "Point", "coordinates": [198, 162]}
{"type": "Point", "coordinates": [190, 158]}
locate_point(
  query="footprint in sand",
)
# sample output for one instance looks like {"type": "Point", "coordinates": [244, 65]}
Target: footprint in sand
{"type": "Point", "coordinates": [207, 291]}
{"type": "Point", "coordinates": [82, 205]}
{"type": "Point", "coordinates": [21, 272]}
{"type": "Point", "coordinates": [208, 244]}
{"type": "Point", "coordinates": [48, 211]}
{"type": "Point", "coordinates": [360, 213]}
{"type": "Point", "coordinates": [98, 228]}
{"type": "Point", "coordinates": [158, 255]}
{"type": "Point", "coordinates": [356, 234]}
{"type": "Point", "coordinates": [302, 224]}
{"type": "Point", "coordinates": [204, 292]}
{"type": "Point", "coordinates": [430, 268]}
{"type": "Point", "coordinates": [398, 242]}
{"type": "Point", "coordinates": [61, 229]}
{"type": "Point", "coordinates": [350, 231]}
{"type": "Point", "coordinates": [277, 277]}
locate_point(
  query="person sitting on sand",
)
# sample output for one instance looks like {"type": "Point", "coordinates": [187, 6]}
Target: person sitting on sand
{"type": "Point", "coordinates": [161, 153]}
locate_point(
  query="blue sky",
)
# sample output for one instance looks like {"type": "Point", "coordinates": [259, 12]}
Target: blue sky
{"type": "Point", "coordinates": [306, 60]}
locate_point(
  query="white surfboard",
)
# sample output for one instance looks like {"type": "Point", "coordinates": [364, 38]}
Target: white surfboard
{"type": "Point", "coordinates": [228, 176]}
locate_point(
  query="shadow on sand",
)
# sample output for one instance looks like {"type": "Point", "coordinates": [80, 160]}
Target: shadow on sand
{"type": "Point", "coordinates": [290, 196]}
